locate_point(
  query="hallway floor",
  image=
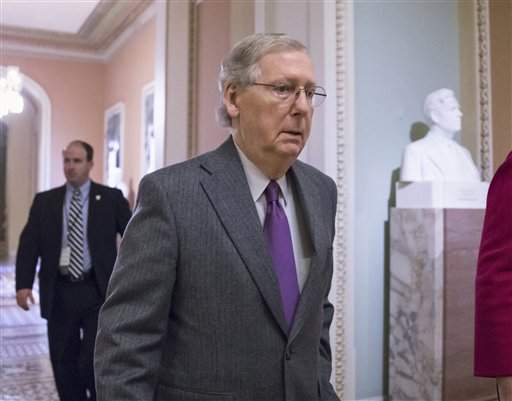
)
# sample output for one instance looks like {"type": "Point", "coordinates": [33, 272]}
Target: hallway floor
{"type": "Point", "coordinates": [25, 370]}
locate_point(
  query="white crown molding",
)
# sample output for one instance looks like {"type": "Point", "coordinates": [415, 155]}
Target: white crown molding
{"type": "Point", "coordinates": [128, 32]}
{"type": "Point", "coordinates": [25, 48]}
{"type": "Point", "coordinates": [17, 49]}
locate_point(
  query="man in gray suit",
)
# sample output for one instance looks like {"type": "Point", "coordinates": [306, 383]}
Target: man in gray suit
{"type": "Point", "coordinates": [220, 288]}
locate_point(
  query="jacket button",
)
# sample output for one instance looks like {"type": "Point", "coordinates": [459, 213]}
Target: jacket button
{"type": "Point", "coordinates": [288, 355]}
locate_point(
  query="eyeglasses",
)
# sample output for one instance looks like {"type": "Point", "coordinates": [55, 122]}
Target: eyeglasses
{"type": "Point", "coordinates": [315, 95]}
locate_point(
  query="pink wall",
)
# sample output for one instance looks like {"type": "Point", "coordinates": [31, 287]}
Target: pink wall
{"type": "Point", "coordinates": [213, 44]}
{"type": "Point", "coordinates": [80, 92]}
{"type": "Point", "coordinates": [75, 90]}
{"type": "Point", "coordinates": [129, 70]}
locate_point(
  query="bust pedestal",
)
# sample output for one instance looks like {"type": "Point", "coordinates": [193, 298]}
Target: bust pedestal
{"type": "Point", "coordinates": [433, 265]}
{"type": "Point", "coordinates": [443, 194]}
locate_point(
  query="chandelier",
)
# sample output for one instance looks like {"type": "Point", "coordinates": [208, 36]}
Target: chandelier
{"type": "Point", "coordinates": [11, 100]}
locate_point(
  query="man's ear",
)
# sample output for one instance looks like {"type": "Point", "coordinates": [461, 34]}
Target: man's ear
{"type": "Point", "coordinates": [435, 116]}
{"type": "Point", "coordinates": [230, 101]}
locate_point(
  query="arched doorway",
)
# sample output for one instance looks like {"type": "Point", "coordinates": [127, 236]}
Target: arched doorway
{"type": "Point", "coordinates": [3, 198]}
{"type": "Point", "coordinates": [27, 162]}
{"type": "Point", "coordinates": [40, 96]}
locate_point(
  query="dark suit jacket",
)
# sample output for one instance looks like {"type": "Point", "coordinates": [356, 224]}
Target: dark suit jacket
{"type": "Point", "coordinates": [493, 303]}
{"type": "Point", "coordinates": [109, 213]}
{"type": "Point", "coordinates": [193, 310]}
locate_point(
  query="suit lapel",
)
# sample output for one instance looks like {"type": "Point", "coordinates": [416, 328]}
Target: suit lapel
{"type": "Point", "coordinates": [57, 211]}
{"type": "Point", "coordinates": [227, 189]}
{"type": "Point", "coordinates": [94, 198]}
{"type": "Point", "coordinates": [309, 198]}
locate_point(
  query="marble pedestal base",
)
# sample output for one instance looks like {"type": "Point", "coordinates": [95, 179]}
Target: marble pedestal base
{"type": "Point", "coordinates": [433, 265]}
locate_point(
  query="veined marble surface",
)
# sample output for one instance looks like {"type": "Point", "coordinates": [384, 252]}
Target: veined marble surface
{"type": "Point", "coordinates": [416, 305]}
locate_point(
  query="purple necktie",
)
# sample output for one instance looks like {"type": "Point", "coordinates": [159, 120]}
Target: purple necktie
{"type": "Point", "coordinates": [279, 242]}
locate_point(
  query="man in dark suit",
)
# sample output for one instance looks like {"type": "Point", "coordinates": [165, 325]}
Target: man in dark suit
{"type": "Point", "coordinates": [73, 230]}
{"type": "Point", "coordinates": [220, 288]}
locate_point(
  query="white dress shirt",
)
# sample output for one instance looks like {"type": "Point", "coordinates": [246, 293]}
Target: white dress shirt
{"type": "Point", "coordinates": [257, 184]}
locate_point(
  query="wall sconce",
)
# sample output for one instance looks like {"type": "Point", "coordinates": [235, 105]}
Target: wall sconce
{"type": "Point", "coordinates": [11, 100]}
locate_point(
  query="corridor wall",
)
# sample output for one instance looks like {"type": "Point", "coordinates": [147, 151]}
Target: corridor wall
{"type": "Point", "coordinates": [403, 51]}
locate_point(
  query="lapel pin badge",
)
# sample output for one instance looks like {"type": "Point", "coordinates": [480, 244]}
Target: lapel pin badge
{"type": "Point", "coordinates": [98, 197]}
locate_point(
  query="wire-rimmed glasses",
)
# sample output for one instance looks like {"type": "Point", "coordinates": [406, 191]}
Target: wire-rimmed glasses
{"type": "Point", "coordinates": [315, 95]}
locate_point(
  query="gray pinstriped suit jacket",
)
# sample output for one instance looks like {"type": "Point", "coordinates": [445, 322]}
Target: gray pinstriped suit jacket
{"type": "Point", "coordinates": [193, 310]}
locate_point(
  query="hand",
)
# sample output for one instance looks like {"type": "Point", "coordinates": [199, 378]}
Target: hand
{"type": "Point", "coordinates": [22, 297]}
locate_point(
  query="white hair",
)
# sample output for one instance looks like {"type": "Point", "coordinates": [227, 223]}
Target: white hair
{"type": "Point", "coordinates": [240, 66]}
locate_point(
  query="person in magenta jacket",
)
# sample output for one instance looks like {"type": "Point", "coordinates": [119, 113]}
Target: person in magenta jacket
{"type": "Point", "coordinates": [493, 302]}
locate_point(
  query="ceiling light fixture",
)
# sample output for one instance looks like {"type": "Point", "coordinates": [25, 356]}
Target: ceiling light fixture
{"type": "Point", "coordinates": [11, 100]}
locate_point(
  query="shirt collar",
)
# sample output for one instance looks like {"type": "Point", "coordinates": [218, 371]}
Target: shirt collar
{"type": "Point", "coordinates": [84, 189]}
{"type": "Point", "coordinates": [257, 180]}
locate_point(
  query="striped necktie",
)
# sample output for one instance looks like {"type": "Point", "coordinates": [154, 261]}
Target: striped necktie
{"type": "Point", "coordinates": [76, 235]}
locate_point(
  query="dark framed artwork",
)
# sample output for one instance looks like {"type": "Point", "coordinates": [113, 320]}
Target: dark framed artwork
{"type": "Point", "coordinates": [148, 156]}
{"type": "Point", "coordinates": [114, 138]}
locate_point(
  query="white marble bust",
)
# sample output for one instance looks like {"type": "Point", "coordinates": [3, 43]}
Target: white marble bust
{"type": "Point", "coordinates": [437, 156]}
